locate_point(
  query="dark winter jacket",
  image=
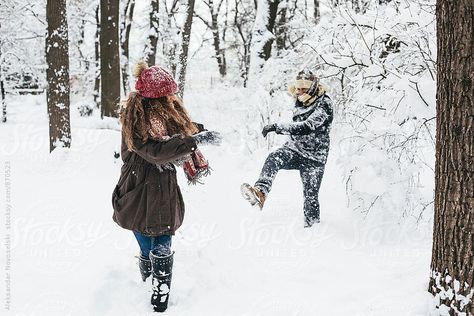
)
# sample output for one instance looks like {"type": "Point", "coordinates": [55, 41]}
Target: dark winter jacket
{"type": "Point", "coordinates": [310, 129]}
{"type": "Point", "coordinates": [146, 198]}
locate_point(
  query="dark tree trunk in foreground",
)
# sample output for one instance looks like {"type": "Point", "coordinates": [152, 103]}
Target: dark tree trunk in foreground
{"type": "Point", "coordinates": [183, 57]}
{"type": "Point", "coordinates": [109, 57]}
{"type": "Point", "coordinates": [452, 264]}
{"type": "Point", "coordinates": [57, 74]}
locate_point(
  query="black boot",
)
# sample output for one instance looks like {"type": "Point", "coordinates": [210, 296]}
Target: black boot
{"type": "Point", "coordinates": [161, 280]}
{"type": "Point", "coordinates": [145, 267]}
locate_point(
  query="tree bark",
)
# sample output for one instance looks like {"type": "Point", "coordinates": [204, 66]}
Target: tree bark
{"type": "Point", "coordinates": [281, 28]}
{"type": "Point", "coordinates": [239, 22]}
{"type": "Point", "coordinates": [213, 25]}
{"type": "Point", "coordinates": [170, 33]}
{"type": "Point", "coordinates": [57, 74]}
{"type": "Point", "coordinates": [272, 14]}
{"type": "Point", "coordinates": [97, 58]}
{"type": "Point", "coordinates": [317, 13]}
{"type": "Point", "coordinates": [220, 56]}
{"type": "Point", "coordinates": [2, 90]}
{"type": "Point", "coordinates": [183, 57]}
{"type": "Point", "coordinates": [152, 43]}
{"type": "Point", "coordinates": [263, 36]}
{"type": "Point", "coordinates": [452, 268]}
{"type": "Point", "coordinates": [4, 102]}
{"type": "Point", "coordinates": [109, 57]}
{"type": "Point", "coordinates": [125, 40]}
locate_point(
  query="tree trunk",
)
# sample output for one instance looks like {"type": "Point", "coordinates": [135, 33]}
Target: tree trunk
{"type": "Point", "coordinates": [239, 22]}
{"type": "Point", "coordinates": [272, 14]}
{"type": "Point", "coordinates": [220, 56]}
{"type": "Point", "coordinates": [152, 43]}
{"type": "Point", "coordinates": [263, 36]}
{"type": "Point", "coordinates": [224, 32]}
{"type": "Point", "coordinates": [452, 268]}
{"type": "Point", "coordinates": [125, 40]}
{"type": "Point", "coordinates": [183, 57]}
{"type": "Point", "coordinates": [2, 91]}
{"type": "Point", "coordinates": [281, 28]}
{"type": "Point", "coordinates": [317, 13]}
{"type": "Point", "coordinates": [170, 32]}
{"type": "Point", "coordinates": [109, 57]}
{"type": "Point", "coordinates": [4, 102]}
{"type": "Point", "coordinates": [83, 62]}
{"type": "Point", "coordinates": [57, 74]}
{"type": "Point", "coordinates": [97, 58]}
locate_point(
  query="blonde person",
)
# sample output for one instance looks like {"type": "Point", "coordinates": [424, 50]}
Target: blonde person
{"type": "Point", "coordinates": [306, 151]}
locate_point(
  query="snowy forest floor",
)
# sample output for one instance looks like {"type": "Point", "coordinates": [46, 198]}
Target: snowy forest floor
{"type": "Point", "coordinates": [69, 258]}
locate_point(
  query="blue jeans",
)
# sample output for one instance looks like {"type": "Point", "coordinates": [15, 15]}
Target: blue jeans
{"type": "Point", "coordinates": [160, 245]}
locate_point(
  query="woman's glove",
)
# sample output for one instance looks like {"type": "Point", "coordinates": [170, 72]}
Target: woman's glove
{"type": "Point", "coordinates": [208, 138]}
{"type": "Point", "coordinates": [268, 128]}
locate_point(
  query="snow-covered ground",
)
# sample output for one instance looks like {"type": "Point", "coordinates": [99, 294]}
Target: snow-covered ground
{"type": "Point", "coordinates": [67, 256]}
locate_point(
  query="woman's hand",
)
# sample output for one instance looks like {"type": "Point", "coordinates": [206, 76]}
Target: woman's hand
{"type": "Point", "coordinates": [208, 138]}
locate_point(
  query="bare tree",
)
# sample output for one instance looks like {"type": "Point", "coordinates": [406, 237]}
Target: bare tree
{"type": "Point", "coordinates": [272, 14]}
{"type": "Point", "coordinates": [125, 28]}
{"type": "Point", "coordinates": [263, 36]}
{"type": "Point", "coordinates": [183, 56]}
{"type": "Point", "coordinates": [169, 33]}
{"type": "Point", "coordinates": [243, 17]}
{"type": "Point", "coordinates": [2, 93]}
{"type": "Point", "coordinates": [452, 268]}
{"type": "Point", "coordinates": [317, 13]}
{"type": "Point", "coordinates": [213, 25]}
{"type": "Point", "coordinates": [109, 57]}
{"type": "Point", "coordinates": [281, 27]}
{"type": "Point", "coordinates": [57, 74]}
{"type": "Point", "coordinates": [2, 86]}
{"type": "Point", "coordinates": [97, 57]}
{"type": "Point", "coordinates": [152, 42]}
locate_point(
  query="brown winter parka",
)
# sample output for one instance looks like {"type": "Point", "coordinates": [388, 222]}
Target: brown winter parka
{"type": "Point", "coordinates": [146, 198]}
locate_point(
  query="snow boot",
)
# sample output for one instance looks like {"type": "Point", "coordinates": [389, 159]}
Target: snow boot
{"type": "Point", "coordinates": [252, 194]}
{"type": "Point", "coordinates": [161, 280]}
{"type": "Point", "coordinates": [310, 222]}
{"type": "Point", "coordinates": [144, 264]}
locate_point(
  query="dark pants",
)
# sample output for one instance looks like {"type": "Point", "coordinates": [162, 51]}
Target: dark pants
{"type": "Point", "coordinates": [311, 174]}
{"type": "Point", "coordinates": [160, 245]}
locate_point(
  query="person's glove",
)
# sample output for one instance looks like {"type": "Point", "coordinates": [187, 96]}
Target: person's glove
{"type": "Point", "coordinates": [268, 128]}
{"type": "Point", "coordinates": [208, 138]}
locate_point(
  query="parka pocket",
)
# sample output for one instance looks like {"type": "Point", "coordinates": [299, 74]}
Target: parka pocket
{"type": "Point", "coordinates": [129, 200]}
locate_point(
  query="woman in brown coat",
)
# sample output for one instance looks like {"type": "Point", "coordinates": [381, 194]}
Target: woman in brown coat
{"type": "Point", "coordinates": [157, 134]}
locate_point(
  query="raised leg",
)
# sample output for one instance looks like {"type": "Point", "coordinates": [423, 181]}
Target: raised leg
{"type": "Point", "coordinates": [282, 158]}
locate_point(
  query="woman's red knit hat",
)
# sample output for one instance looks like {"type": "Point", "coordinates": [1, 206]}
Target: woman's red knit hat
{"type": "Point", "coordinates": [153, 82]}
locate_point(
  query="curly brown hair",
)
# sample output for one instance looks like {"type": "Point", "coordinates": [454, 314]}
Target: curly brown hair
{"type": "Point", "coordinates": [136, 110]}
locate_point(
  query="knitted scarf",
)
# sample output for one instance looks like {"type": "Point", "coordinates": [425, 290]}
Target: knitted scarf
{"type": "Point", "coordinates": [195, 165]}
